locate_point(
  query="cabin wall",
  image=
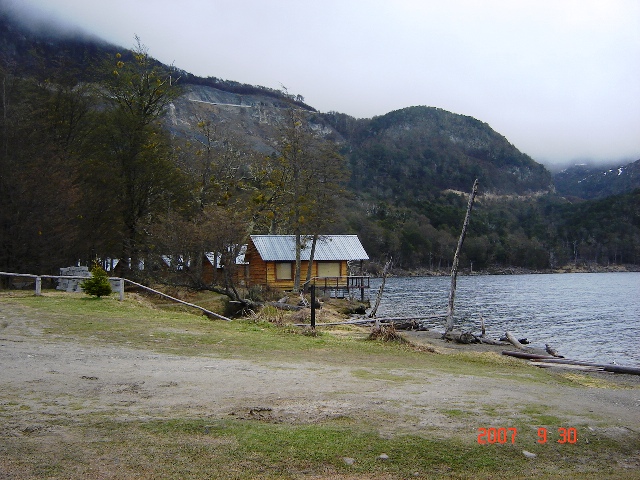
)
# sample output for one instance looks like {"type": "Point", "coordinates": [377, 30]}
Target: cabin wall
{"type": "Point", "coordinates": [266, 273]}
{"type": "Point", "coordinates": [257, 267]}
{"type": "Point", "coordinates": [273, 280]}
{"type": "Point", "coordinates": [207, 272]}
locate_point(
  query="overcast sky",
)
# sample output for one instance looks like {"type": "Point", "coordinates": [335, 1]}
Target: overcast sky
{"type": "Point", "coordinates": [559, 78]}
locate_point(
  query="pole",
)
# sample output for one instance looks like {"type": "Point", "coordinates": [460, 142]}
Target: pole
{"type": "Point", "coordinates": [38, 286]}
{"type": "Point", "coordinates": [313, 307]}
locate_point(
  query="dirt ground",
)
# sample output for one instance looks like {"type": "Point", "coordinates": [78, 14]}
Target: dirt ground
{"type": "Point", "coordinates": [42, 379]}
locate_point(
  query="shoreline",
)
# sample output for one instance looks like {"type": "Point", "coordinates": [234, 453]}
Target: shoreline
{"type": "Point", "coordinates": [433, 339]}
{"type": "Point", "coordinates": [626, 268]}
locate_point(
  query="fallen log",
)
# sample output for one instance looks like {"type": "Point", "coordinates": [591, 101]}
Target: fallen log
{"type": "Point", "coordinates": [514, 341]}
{"type": "Point", "coordinates": [566, 361]}
{"type": "Point", "coordinates": [523, 341]}
{"type": "Point", "coordinates": [489, 341]}
{"type": "Point", "coordinates": [527, 356]}
{"type": "Point", "coordinates": [405, 325]}
{"type": "Point", "coordinates": [465, 338]}
{"type": "Point", "coordinates": [582, 368]}
{"type": "Point", "coordinates": [605, 367]}
{"type": "Point", "coordinates": [420, 317]}
{"type": "Point", "coordinates": [551, 351]}
{"type": "Point", "coordinates": [164, 295]}
{"type": "Point", "coordinates": [358, 321]}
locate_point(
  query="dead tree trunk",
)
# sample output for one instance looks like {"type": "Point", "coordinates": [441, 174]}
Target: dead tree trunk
{"type": "Point", "coordinates": [454, 268]}
{"type": "Point", "coordinates": [385, 272]}
{"type": "Point", "coordinates": [312, 255]}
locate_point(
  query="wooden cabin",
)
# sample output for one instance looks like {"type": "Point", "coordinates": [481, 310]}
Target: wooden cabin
{"type": "Point", "coordinates": [272, 259]}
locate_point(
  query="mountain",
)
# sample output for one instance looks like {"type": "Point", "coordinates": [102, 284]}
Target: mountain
{"type": "Point", "coordinates": [587, 182]}
{"type": "Point", "coordinates": [420, 149]}
{"type": "Point", "coordinates": [408, 169]}
{"type": "Point", "coordinates": [413, 151]}
{"type": "Point", "coordinates": [38, 51]}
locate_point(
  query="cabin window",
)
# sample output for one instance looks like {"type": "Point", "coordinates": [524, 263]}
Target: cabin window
{"type": "Point", "coordinates": [284, 271]}
{"type": "Point", "coordinates": [328, 269]}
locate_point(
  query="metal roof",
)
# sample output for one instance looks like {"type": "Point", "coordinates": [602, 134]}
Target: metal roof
{"type": "Point", "coordinates": [282, 248]}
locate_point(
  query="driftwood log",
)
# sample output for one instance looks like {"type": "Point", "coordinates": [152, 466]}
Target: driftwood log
{"type": "Point", "coordinates": [565, 361]}
{"type": "Point", "coordinates": [514, 341]}
{"type": "Point", "coordinates": [551, 351]}
{"type": "Point", "coordinates": [405, 325]}
{"type": "Point", "coordinates": [490, 341]}
{"type": "Point", "coordinates": [465, 338]}
{"type": "Point", "coordinates": [605, 367]}
{"type": "Point", "coordinates": [582, 368]}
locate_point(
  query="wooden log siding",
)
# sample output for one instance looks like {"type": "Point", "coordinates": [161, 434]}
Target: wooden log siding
{"type": "Point", "coordinates": [264, 273]}
{"type": "Point", "coordinates": [257, 266]}
{"type": "Point", "coordinates": [208, 272]}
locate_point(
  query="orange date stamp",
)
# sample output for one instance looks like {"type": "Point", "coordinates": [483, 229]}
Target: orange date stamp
{"type": "Point", "coordinates": [491, 435]}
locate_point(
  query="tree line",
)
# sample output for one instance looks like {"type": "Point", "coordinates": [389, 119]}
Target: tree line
{"type": "Point", "coordinates": [536, 233]}
{"type": "Point", "coordinates": [89, 171]}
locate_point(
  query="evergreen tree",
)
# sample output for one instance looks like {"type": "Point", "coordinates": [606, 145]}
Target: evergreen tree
{"type": "Point", "coordinates": [98, 284]}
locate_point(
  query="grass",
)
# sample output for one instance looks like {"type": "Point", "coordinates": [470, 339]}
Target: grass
{"type": "Point", "coordinates": [138, 323]}
{"type": "Point", "coordinates": [242, 449]}
{"type": "Point", "coordinates": [101, 444]}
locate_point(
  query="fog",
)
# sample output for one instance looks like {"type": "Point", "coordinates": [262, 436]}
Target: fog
{"type": "Point", "coordinates": [559, 79]}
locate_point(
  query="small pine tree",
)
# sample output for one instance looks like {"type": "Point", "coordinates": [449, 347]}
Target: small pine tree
{"type": "Point", "coordinates": [98, 285]}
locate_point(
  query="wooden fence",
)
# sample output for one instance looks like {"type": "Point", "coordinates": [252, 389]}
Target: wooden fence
{"type": "Point", "coordinates": [120, 281]}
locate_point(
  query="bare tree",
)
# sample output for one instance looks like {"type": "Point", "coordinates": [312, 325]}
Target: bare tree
{"type": "Point", "coordinates": [454, 268]}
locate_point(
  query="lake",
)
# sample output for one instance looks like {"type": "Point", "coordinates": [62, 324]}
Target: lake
{"type": "Point", "coordinates": [585, 316]}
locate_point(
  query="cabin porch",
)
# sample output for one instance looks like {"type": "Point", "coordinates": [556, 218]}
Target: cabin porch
{"type": "Point", "coordinates": [341, 287]}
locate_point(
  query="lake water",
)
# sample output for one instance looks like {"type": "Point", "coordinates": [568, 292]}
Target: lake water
{"type": "Point", "coordinates": [585, 316]}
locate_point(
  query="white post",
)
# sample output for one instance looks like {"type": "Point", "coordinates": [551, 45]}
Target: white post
{"type": "Point", "coordinates": [121, 288]}
{"type": "Point", "coordinates": [38, 286]}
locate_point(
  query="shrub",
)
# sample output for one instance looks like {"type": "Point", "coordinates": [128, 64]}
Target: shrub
{"type": "Point", "coordinates": [98, 284]}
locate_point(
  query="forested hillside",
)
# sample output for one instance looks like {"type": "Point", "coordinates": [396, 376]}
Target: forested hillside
{"type": "Point", "coordinates": [592, 182]}
{"type": "Point", "coordinates": [106, 153]}
{"type": "Point", "coordinates": [418, 151]}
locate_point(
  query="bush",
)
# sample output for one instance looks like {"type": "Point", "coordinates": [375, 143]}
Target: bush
{"type": "Point", "coordinates": [98, 285]}
{"type": "Point", "coordinates": [386, 333]}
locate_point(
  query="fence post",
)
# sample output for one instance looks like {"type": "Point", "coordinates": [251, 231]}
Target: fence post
{"type": "Point", "coordinates": [121, 288]}
{"type": "Point", "coordinates": [38, 286]}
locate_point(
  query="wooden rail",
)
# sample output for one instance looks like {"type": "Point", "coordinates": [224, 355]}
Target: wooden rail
{"type": "Point", "coordinates": [38, 288]}
{"type": "Point", "coordinates": [348, 284]}
{"type": "Point", "coordinates": [208, 312]}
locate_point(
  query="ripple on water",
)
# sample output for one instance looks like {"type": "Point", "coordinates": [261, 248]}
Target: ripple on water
{"type": "Point", "coordinates": [589, 317]}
